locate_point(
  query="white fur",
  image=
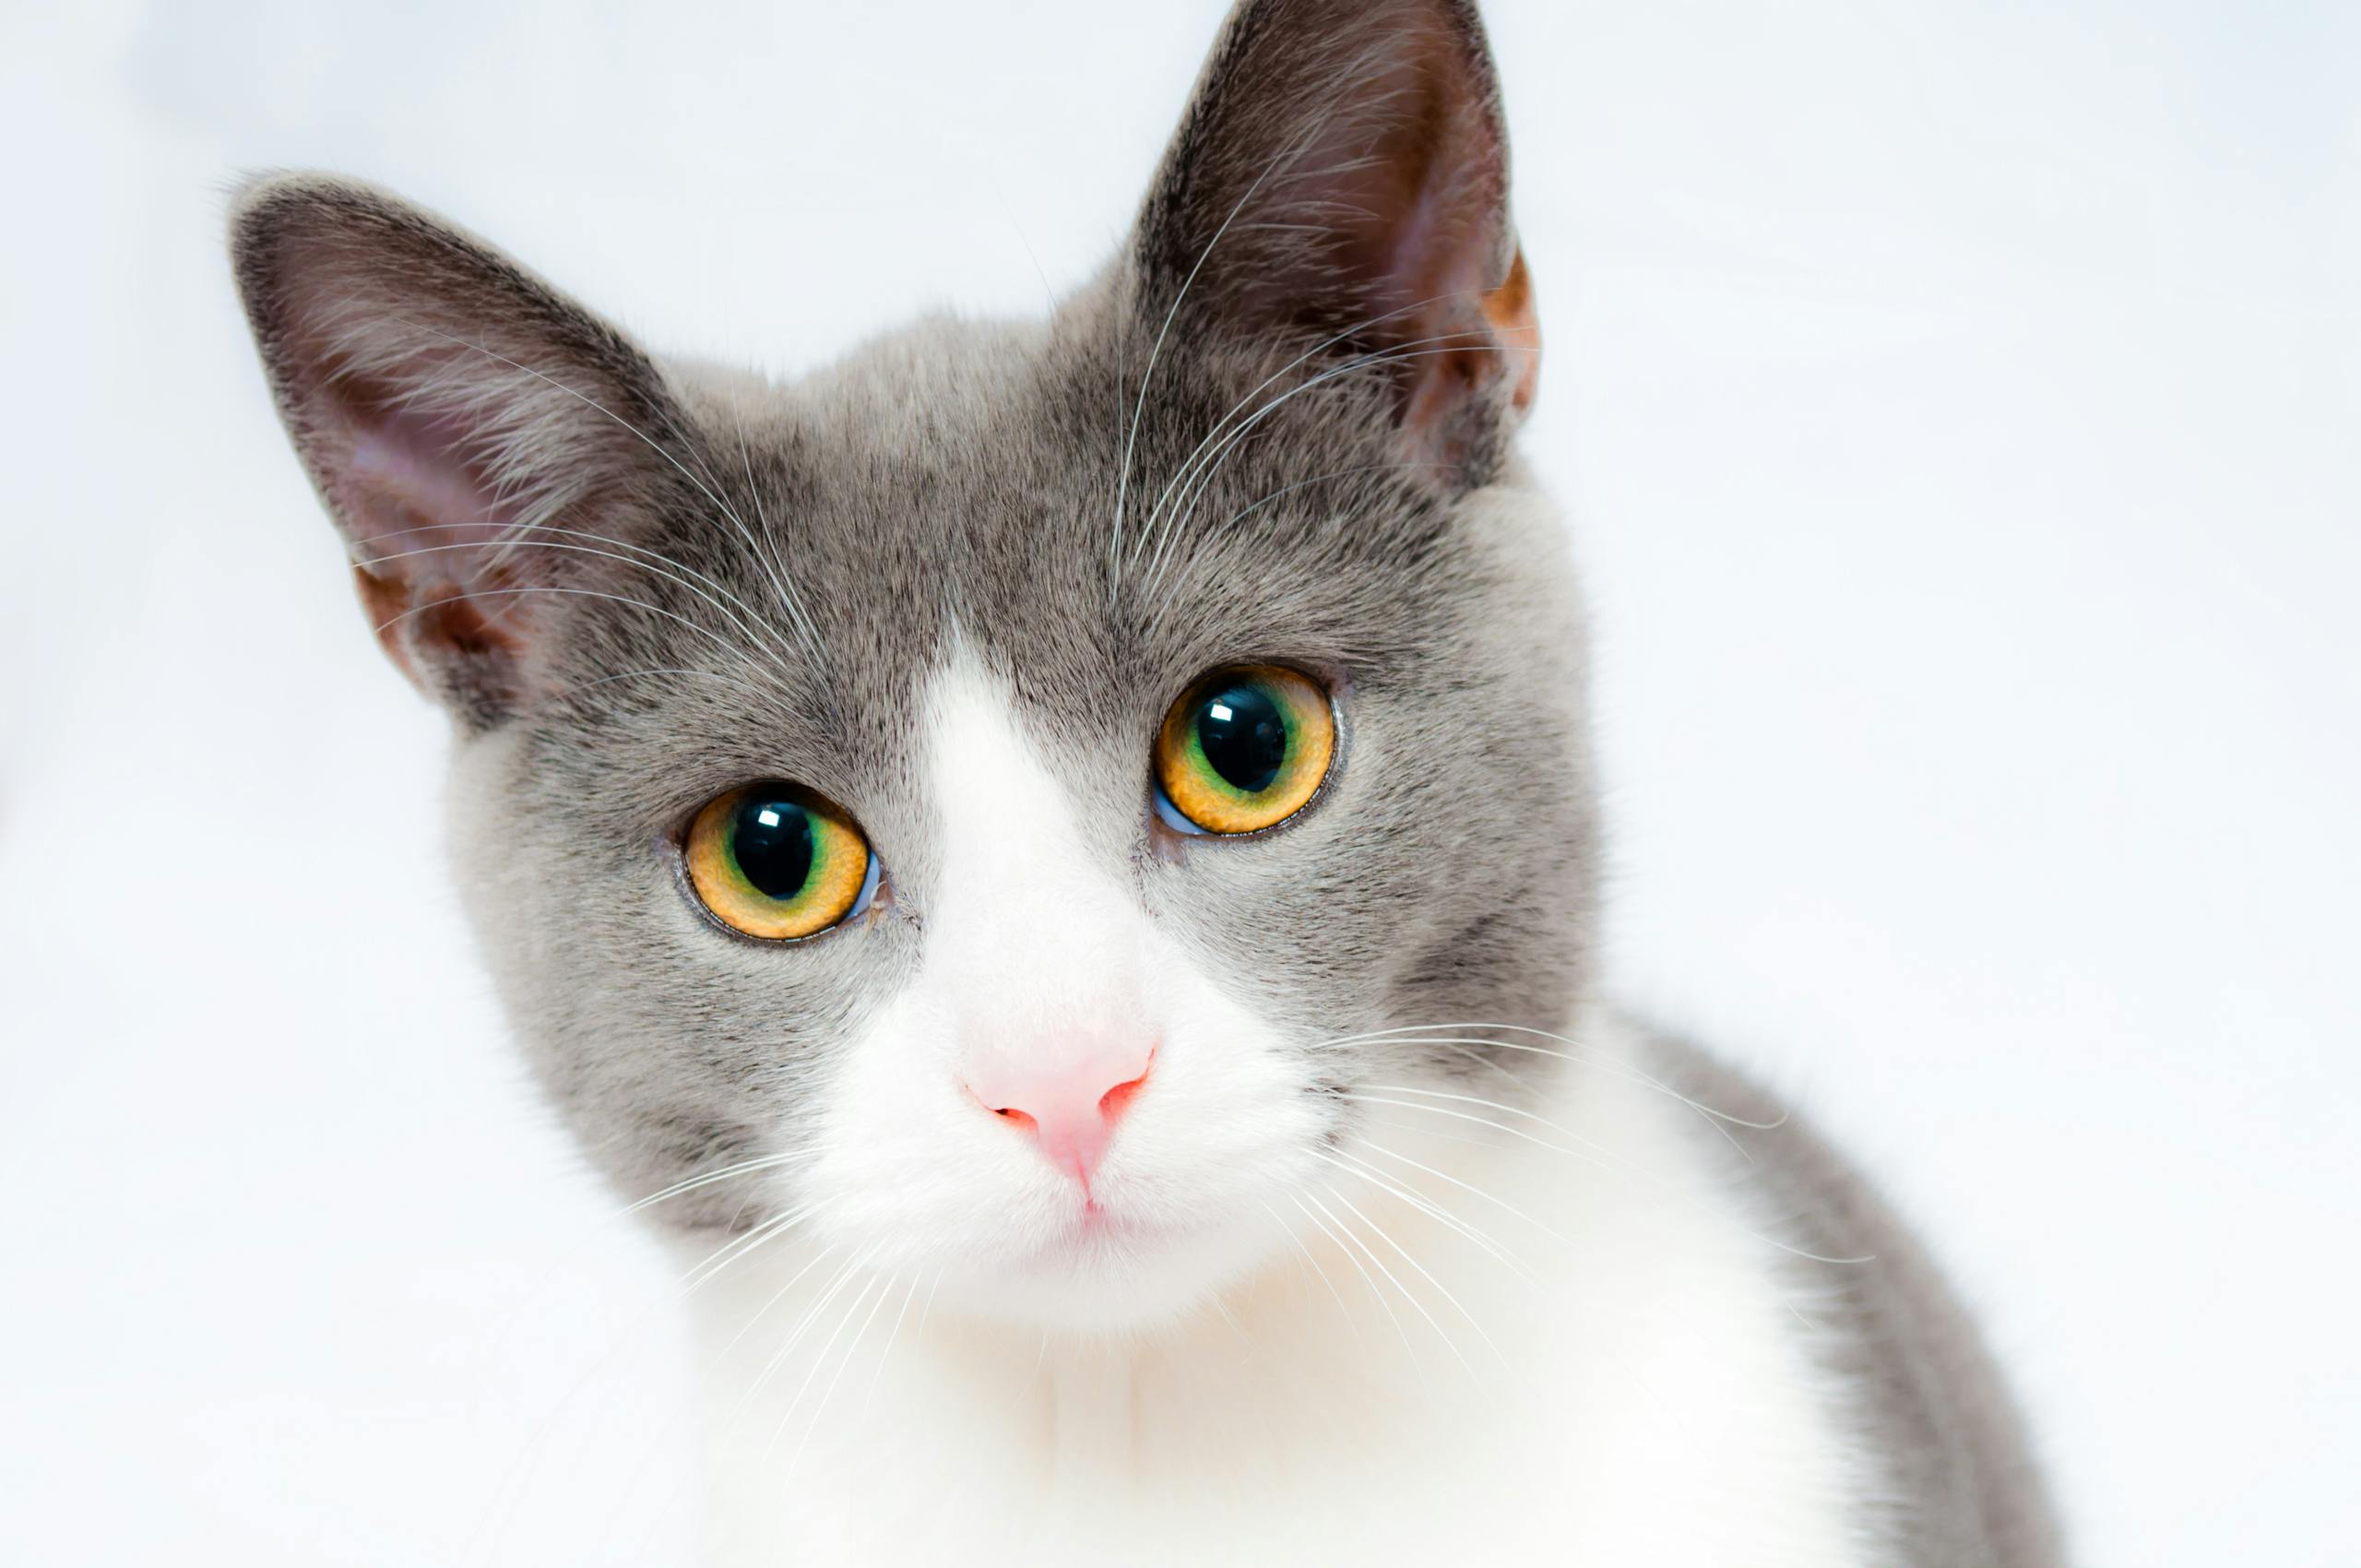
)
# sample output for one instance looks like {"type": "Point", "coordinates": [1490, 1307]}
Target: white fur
{"type": "Point", "coordinates": [1244, 1385]}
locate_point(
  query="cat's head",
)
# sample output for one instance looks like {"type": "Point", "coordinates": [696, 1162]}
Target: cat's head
{"type": "Point", "coordinates": [1008, 798]}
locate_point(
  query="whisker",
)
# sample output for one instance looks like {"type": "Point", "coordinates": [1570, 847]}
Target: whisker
{"type": "Point", "coordinates": [749, 632]}
{"type": "Point", "coordinates": [1181, 470]}
{"type": "Point", "coordinates": [1613, 1168]}
{"type": "Point", "coordinates": [820, 1359]}
{"type": "Point", "coordinates": [928, 1311]}
{"type": "Point", "coordinates": [1368, 1278]}
{"type": "Point", "coordinates": [737, 1247]}
{"type": "Point", "coordinates": [1319, 1272]}
{"type": "Point", "coordinates": [654, 669]}
{"type": "Point", "coordinates": [773, 567]}
{"type": "Point", "coordinates": [1376, 1148]}
{"type": "Point", "coordinates": [885, 1288]}
{"type": "Point", "coordinates": [1483, 1121]}
{"type": "Point", "coordinates": [1433, 1210]}
{"type": "Point", "coordinates": [773, 1299]}
{"type": "Point", "coordinates": [1215, 462]}
{"type": "Point", "coordinates": [639, 435]}
{"type": "Point", "coordinates": [720, 642]}
{"type": "Point", "coordinates": [1535, 1117]}
{"type": "Point", "coordinates": [1199, 459]}
{"type": "Point", "coordinates": [894, 1338]}
{"type": "Point", "coordinates": [1222, 1311]}
{"type": "Point", "coordinates": [794, 1337]}
{"type": "Point", "coordinates": [1606, 1064]}
{"type": "Point", "coordinates": [1416, 1305]}
{"type": "Point", "coordinates": [1387, 1237]}
{"type": "Point", "coordinates": [1720, 1121]}
{"type": "Point", "coordinates": [1155, 352]}
{"type": "Point", "coordinates": [743, 1167]}
{"type": "Point", "coordinates": [510, 535]}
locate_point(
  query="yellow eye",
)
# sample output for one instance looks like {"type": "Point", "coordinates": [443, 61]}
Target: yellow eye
{"type": "Point", "coordinates": [777, 861]}
{"type": "Point", "coordinates": [1245, 748]}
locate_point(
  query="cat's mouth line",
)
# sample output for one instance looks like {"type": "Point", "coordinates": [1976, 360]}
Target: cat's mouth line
{"type": "Point", "coordinates": [1097, 1230]}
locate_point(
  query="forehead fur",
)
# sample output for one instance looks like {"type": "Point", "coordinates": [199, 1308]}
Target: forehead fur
{"type": "Point", "coordinates": [961, 478]}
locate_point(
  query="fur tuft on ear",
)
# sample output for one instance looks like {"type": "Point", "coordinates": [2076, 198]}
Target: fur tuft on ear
{"type": "Point", "coordinates": [1339, 186]}
{"type": "Point", "coordinates": [453, 411]}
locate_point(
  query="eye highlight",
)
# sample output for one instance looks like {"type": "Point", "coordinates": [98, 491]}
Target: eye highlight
{"type": "Point", "coordinates": [1245, 748]}
{"type": "Point", "coordinates": [778, 861]}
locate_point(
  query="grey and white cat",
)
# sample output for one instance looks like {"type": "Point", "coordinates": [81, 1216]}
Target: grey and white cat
{"type": "Point", "coordinates": [1058, 859]}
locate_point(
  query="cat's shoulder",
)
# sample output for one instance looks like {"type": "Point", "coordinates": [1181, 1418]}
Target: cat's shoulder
{"type": "Point", "coordinates": [1933, 1411]}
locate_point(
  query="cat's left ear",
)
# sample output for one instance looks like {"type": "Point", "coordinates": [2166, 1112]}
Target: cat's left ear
{"type": "Point", "coordinates": [1337, 197]}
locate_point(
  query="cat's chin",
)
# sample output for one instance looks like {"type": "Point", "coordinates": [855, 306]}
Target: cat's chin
{"type": "Point", "coordinates": [1110, 1277]}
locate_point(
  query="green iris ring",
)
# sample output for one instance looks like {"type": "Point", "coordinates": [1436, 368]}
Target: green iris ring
{"type": "Point", "coordinates": [827, 846]}
{"type": "Point", "coordinates": [1291, 765]}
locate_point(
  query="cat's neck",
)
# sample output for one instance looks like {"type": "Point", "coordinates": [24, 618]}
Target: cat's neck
{"type": "Point", "coordinates": [1561, 1312]}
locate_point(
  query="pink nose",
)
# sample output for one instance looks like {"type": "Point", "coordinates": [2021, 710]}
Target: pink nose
{"type": "Point", "coordinates": [1070, 1103]}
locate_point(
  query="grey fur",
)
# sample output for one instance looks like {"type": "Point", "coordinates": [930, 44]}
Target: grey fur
{"type": "Point", "coordinates": [1964, 1487]}
{"type": "Point", "coordinates": [957, 482]}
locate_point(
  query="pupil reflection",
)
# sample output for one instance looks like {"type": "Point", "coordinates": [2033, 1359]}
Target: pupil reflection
{"type": "Point", "coordinates": [1244, 737]}
{"type": "Point", "coordinates": [774, 847]}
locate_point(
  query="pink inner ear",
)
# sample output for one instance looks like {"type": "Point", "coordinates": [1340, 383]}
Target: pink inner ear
{"type": "Point", "coordinates": [419, 509]}
{"type": "Point", "coordinates": [1407, 172]}
{"type": "Point", "coordinates": [425, 528]}
{"type": "Point", "coordinates": [1399, 197]}
{"type": "Point", "coordinates": [444, 403]}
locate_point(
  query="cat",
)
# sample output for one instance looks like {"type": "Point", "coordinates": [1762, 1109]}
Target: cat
{"type": "Point", "coordinates": [1057, 862]}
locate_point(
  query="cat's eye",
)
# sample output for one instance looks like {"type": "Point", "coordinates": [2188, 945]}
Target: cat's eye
{"type": "Point", "coordinates": [778, 861]}
{"type": "Point", "coordinates": [1245, 748]}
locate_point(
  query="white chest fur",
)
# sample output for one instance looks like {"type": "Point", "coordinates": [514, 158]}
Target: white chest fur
{"type": "Point", "coordinates": [1616, 1372]}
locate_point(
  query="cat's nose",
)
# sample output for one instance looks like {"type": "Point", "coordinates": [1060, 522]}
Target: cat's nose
{"type": "Point", "coordinates": [1068, 1103]}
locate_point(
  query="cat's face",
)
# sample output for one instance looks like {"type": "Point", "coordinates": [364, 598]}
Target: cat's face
{"type": "Point", "coordinates": [1014, 801]}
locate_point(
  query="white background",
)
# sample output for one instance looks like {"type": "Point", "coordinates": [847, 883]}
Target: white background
{"type": "Point", "coordinates": [1956, 405]}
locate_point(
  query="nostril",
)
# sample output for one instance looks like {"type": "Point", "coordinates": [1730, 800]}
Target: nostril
{"type": "Point", "coordinates": [1062, 1104]}
{"type": "Point", "coordinates": [1115, 1100]}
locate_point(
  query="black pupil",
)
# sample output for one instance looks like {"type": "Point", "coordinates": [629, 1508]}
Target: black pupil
{"type": "Point", "coordinates": [772, 841]}
{"type": "Point", "coordinates": [1244, 736]}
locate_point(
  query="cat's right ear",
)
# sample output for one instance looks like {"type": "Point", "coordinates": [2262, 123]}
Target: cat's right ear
{"type": "Point", "coordinates": [472, 432]}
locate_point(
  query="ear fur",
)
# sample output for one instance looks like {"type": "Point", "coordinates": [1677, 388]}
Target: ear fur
{"type": "Point", "coordinates": [1339, 187]}
{"type": "Point", "coordinates": [468, 429]}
